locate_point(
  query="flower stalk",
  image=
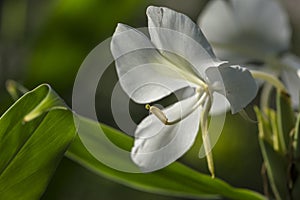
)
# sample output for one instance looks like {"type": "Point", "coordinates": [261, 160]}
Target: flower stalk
{"type": "Point", "coordinates": [269, 78]}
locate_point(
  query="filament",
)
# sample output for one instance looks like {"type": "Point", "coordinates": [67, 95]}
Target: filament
{"type": "Point", "coordinates": [201, 95]}
{"type": "Point", "coordinates": [269, 78]}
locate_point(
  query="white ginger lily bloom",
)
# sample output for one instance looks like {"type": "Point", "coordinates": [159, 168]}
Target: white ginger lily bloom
{"type": "Point", "coordinates": [176, 56]}
{"type": "Point", "coordinates": [255, 31]}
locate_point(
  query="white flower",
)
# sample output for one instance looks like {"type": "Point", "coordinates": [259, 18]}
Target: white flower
{"type": "Point", "coordinates": [176, 56]}
{"type": "Point", "coordinates": [250, 32]}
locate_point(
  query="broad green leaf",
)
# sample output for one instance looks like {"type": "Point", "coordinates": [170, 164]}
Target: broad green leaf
{"type": "Point", "coordinates": [34, 134]}
{"type": "Point", "coordinates": [175, 180]}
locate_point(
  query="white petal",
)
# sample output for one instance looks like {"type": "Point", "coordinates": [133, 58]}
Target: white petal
{"type": "Point", "coordinates": [291, 77]}
{"type": "Point", "coordinates": [220, 104]}
{"type": "Point", "coordinates": [218, 25]}
{"type": "Point", "coordinates": [143, 73]}
{"type": "Point", "coordinates": [184, 93]}
{"type": "Point", "coordinates": [234, 82]}
{"type": "Point", "coordinates": [273, 25]}
{"type": "Point", "coordinates": [175, 33]}
{"type": "Point", "coordinates": [235, 26]}
{"type": "Point", "coordinates": [157, 145]}
{"type": "Point", "coordinates": [263, 68]}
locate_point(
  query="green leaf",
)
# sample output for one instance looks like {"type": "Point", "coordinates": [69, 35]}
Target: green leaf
{"type": "Point", "coordinates": [175, 180]}
{"type": "Point", "coordinates": [276, 166]}
{"type": "Point", "coordinates": [296, 144]}
{"type": "Point", "coordinates": [285, 120]}
{"type": "Point", "coordinates": [34, 134]}
{"type": "Point", "coordinates": [296, 147]}
{"type": "Point", "coordinates": [274, 138]}
{"type": "Point", "coordinates": [264, 125]}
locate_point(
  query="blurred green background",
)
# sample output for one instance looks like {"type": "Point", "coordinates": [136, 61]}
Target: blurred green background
{"type": "Point", "coordinates": [46, 42]}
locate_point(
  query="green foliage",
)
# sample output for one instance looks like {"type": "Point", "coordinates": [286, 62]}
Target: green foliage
{"type": "Point", "coordinates": [278, 139]}
{"type": "Point", "coordinates": [296, 141]}
{"type": "Point", "coordinates": [175, 180]}
{"type": "Point", "coordinates": [285, 119]}
{"type": "Point", "coordinates": [34, 134]}
{"type": "Point", "coordinates": [36, 131]}
{"type": "Point", "coordinates": [295, 166]}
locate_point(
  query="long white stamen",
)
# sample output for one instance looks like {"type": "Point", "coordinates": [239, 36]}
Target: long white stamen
{"type": "Point", "coordinates": [202, 96]}
{"type": "Point", "coordinates": [205, 138]}
{"type": "Point", "coordinates": [158, 113]}
{"type": "Point", "coordinates": [199, 102]}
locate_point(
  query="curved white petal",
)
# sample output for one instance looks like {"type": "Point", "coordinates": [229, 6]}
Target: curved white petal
{"type": "Point", "coordinates": [239, 27]}
{"type": "Point", "coordinates": [291, 77]}
{"type": "Point", "coordinates": [143, 73]}
{"type": "Point", "coordinates": [234, 82]}
{"type": "Point", "coordinates": [157, 145]}
{"type": "Point", "coordinates": [220, 104]}
{"type": "Point", "coordinates": [177, 34]}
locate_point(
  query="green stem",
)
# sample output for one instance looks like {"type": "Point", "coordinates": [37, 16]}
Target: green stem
{"type": "Point", "coordinates": [269, 78]}
{"type": "Point", "coordinates": [265, 96]}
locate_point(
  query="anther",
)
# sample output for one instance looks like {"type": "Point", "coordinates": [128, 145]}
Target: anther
{"type": "Point", "coordinates": [159, 114]}
{"type": "Point", "coordinates": [147, 106]}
